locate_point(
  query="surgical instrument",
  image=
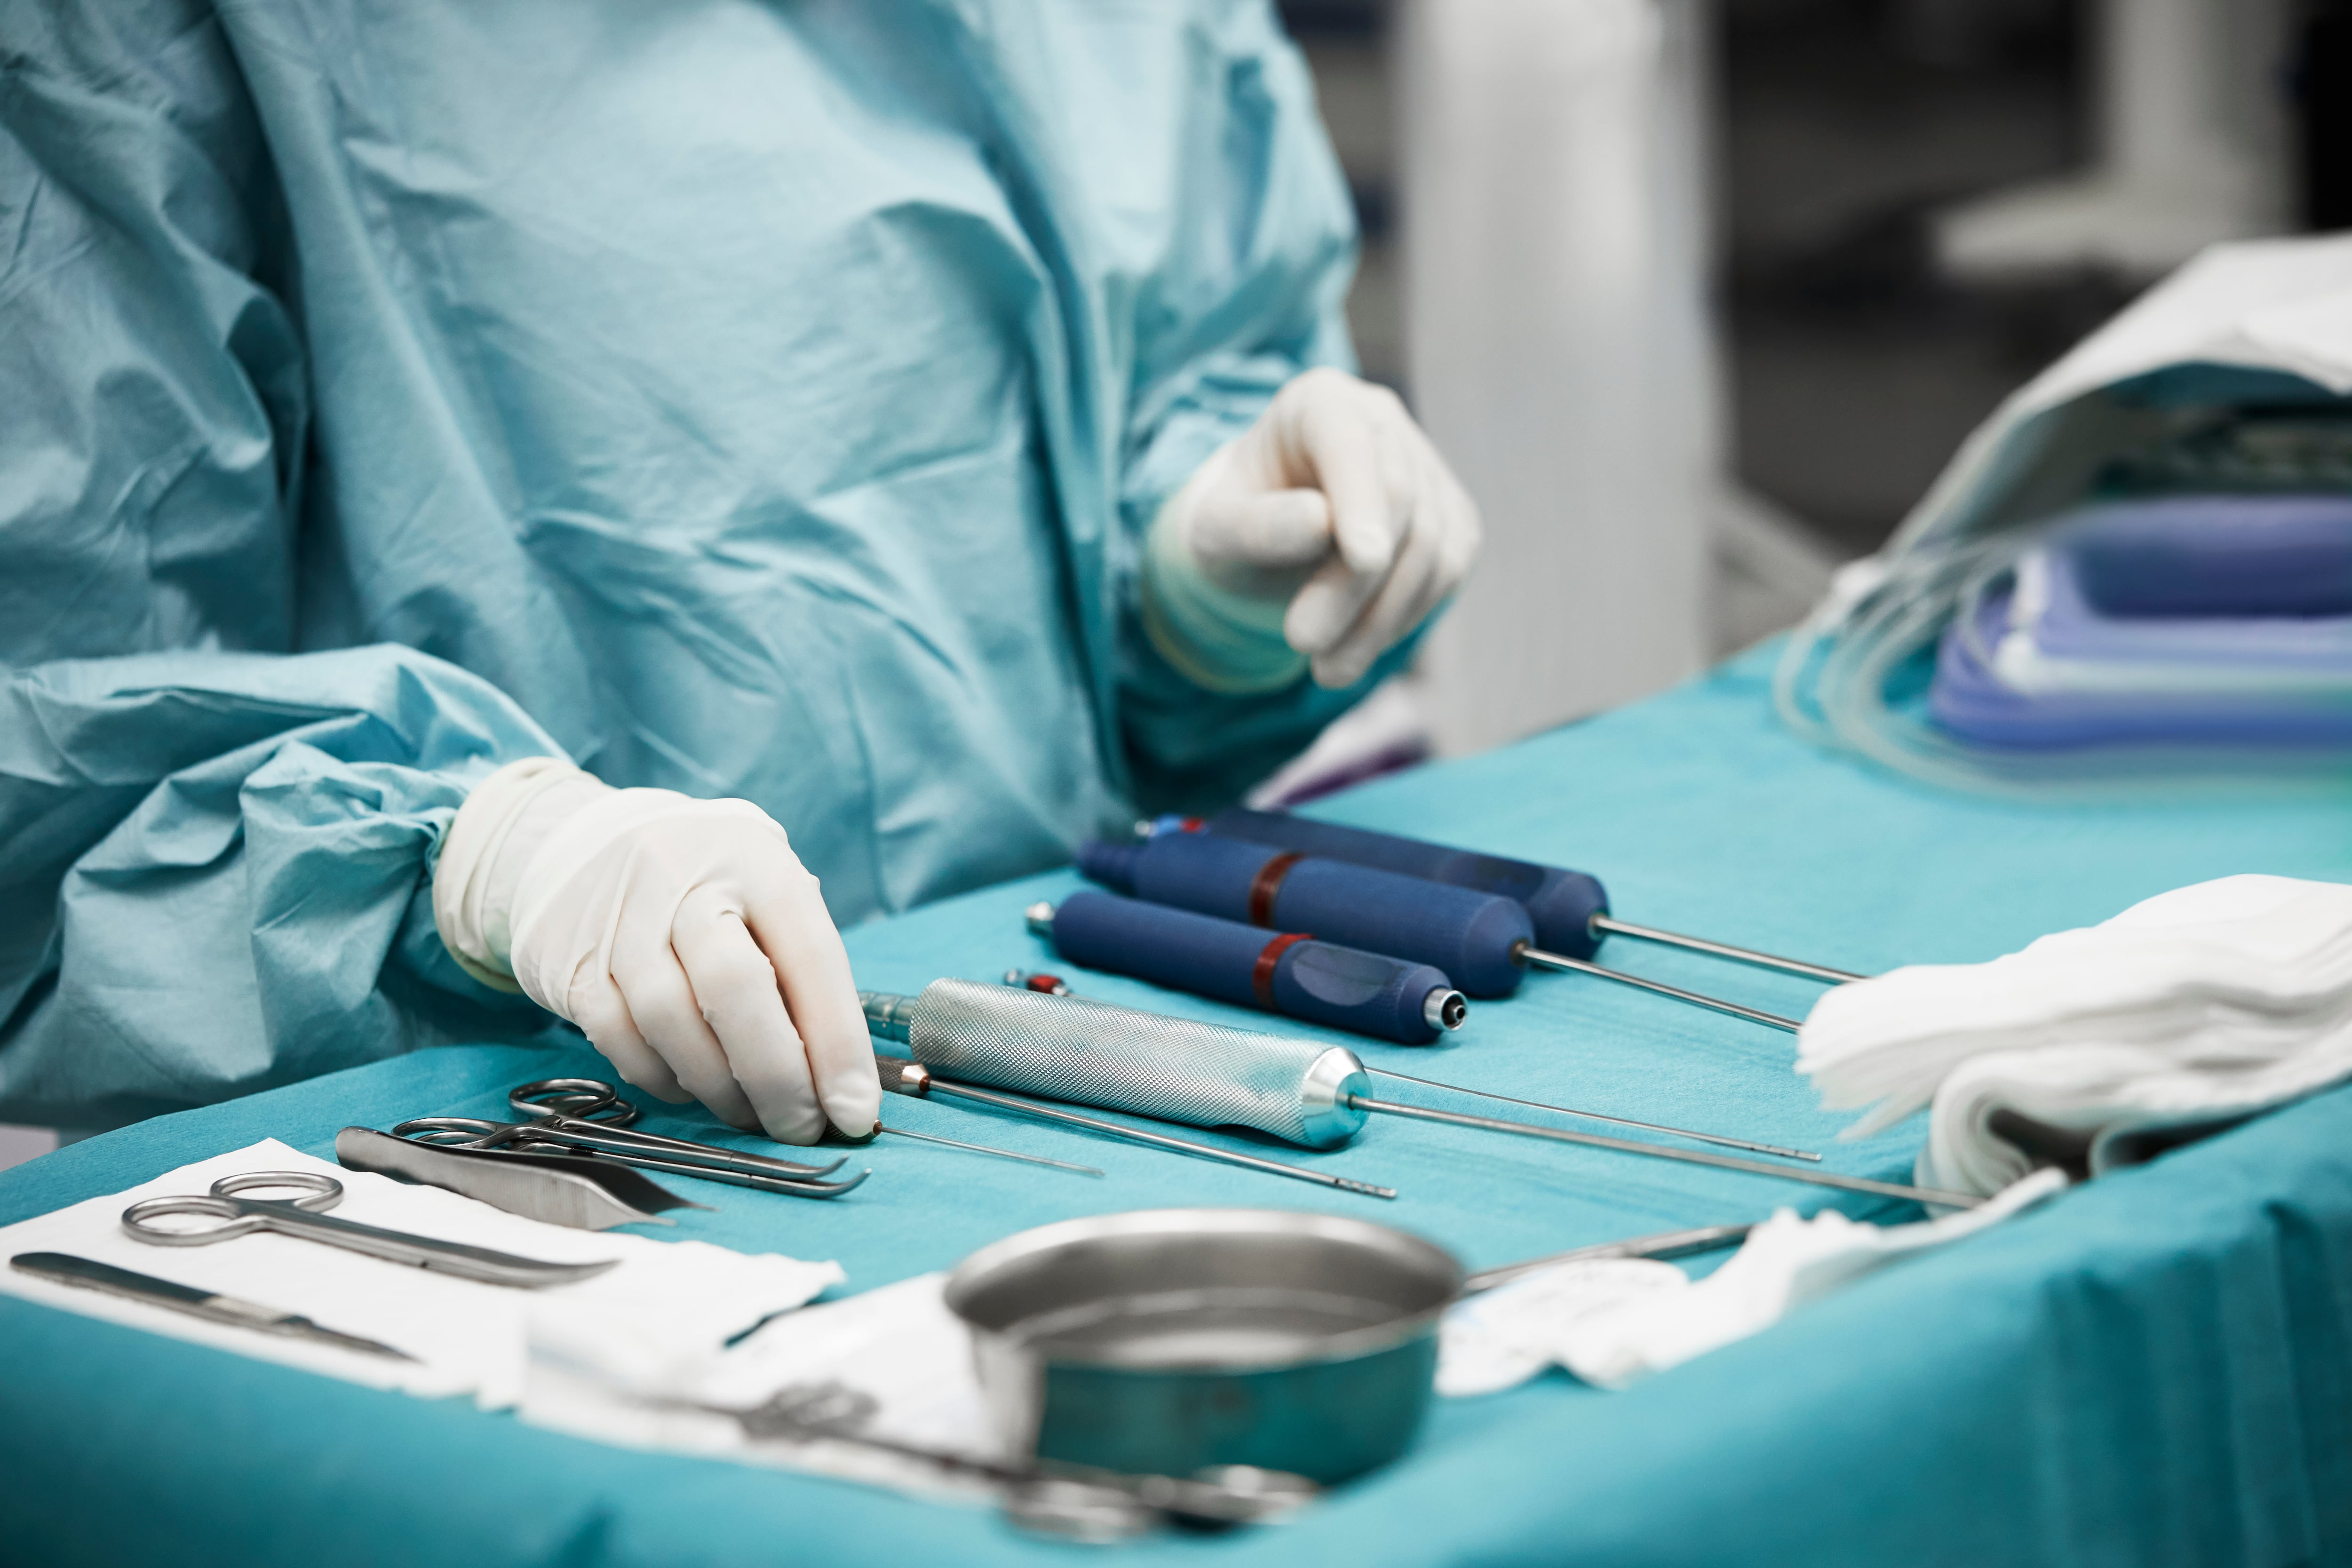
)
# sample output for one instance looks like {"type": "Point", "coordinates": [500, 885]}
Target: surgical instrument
{"type": "Point", "coordinates": [1180, 1070]}
{"type": "Point", "coordinates": [301, 1217]}
{"type": "Point", "coordinates": [1484, 942]}
{"type": "Point", "coordinates": [89, 1273]}
{"type": "Point", "coordinates": [581, 1192]}
{"type": "Point", "coordinates": [1661, 1244]}
{"type": "Point", "coordinates": [913, 1079]}
{"type": "Point", "coordinates": [1282, 972]}
{"type": "Point", "coordinates": [1570, 909]}
{"type": "Point", "coordinates": [1045, 1495]}
{"type": "Point", "coordinates": [1053, 986]}
{"type": "Point", "coordinates": [599, 1104]}
{"type": "Point", "coordinates": [588, 1113]}
{"type": "Point", "coordinates": [473, 1134]}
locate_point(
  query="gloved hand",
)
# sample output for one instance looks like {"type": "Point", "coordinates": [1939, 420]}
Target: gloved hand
{"type": "Point", "coordinates": [684, 936]}
{"type": "Point", "coordinates": [1325, 532]}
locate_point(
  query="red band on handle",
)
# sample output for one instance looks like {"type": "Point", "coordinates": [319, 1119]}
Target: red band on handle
{"type": "Point", "coordinates": [1268, 883]}
{"type": "Point", "coordinates": [1262, 972]}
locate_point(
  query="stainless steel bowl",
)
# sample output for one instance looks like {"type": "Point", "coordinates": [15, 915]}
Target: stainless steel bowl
{"type": "Point", "coordinates": [1170, 1340]}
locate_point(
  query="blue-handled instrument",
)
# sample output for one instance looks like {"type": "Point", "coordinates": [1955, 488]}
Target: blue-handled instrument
{"type": "Point", "coordinates": [1482, 940]}
{"type": "Point", "coordinates": [1276, 972]}
{"type": "Point", "coordinates": [1570, 910]}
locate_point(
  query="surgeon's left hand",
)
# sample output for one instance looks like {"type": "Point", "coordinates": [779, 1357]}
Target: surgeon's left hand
{"type": "Point", "coordinates": [1331, 524]}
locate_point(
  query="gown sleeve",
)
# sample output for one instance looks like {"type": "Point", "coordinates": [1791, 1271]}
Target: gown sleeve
{"type": "Point", "coordinates": [215, 850]}
{"type": "Point", "coordinates": [1257, 296]}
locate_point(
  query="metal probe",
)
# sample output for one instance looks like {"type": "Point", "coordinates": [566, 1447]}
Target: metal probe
{"type": "Point", "coordinates": [1660, 1151]}
{"type": "Point", "coordinates": [1596, 1116]}
{"type": "Point", "coordinates": [1611, 924]}
{"type": "Point", "coordinates": [1570, 910]}
{"type": "Point", "coordinates": [1527, 954]}
{"type": "Point", "coordinates": [919, 1079]}
{"type": "Point", "coordinates": [1054, 985]}
{"type": "Point", "coordinates": [1665, 1244]}
{"type": "Point", "coordinates": [999, 1153]}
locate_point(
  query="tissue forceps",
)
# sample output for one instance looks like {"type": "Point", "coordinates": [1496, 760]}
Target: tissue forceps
{"type": "Point", "coordinates": [588, 1113]}
{"type": "Point", "coordinates": [523, 1139]}
{"type": "Point", "coordinates": [302, 1217]}
{"type": "Point", "coordinates": [586, 1098]}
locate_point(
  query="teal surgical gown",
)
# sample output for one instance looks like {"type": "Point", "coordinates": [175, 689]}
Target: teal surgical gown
{"type": "Point", "coordinates": [759, 399]}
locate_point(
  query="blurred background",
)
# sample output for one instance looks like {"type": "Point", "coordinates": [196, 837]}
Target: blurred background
{"type": "Point", "coordinates": [1699, 295]}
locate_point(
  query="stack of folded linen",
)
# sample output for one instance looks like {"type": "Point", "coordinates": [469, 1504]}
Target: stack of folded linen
{"type": "Point", "coordinates": [2091, 1049]}
{"type": "Point", "coordinates": [2192, 619]}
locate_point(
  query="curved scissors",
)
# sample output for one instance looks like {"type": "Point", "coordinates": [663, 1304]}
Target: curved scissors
{"type": "Point", "coordinates": [304, 1217]}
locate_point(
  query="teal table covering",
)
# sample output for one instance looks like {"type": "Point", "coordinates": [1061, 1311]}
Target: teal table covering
{"type": "Point", "coordinates": [2155, 1369]}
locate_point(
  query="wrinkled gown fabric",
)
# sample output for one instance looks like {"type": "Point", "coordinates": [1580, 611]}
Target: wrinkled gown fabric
{"type": "Point", "coordinates": [758, 400]}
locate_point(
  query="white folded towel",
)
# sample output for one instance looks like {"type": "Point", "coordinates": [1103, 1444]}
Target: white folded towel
{"type": "Point", "coordinates": [469, 1338]}
{"type": "Point", "coordinates": [2196, 1007]}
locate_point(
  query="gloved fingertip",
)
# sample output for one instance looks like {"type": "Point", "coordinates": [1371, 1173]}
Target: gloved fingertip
{"type": "Point", "coordinates": [801, 1126]}
{"type": "Point", "coordinates": [1336, 674]}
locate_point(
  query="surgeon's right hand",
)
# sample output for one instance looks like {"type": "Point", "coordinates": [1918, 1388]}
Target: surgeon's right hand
{"type": "Point", "coordinates": [683, 936]}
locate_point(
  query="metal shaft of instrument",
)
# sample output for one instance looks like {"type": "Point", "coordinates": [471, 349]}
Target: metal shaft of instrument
{"type": "Point", "coordinates": [1596, 1116]}
{"type": "Point", "coordinates": [1664, 1244]}
{"type": "Point", "coordinates": [758, 1180]}
{"type": "Point", "coordinates": [984, 1149]}
{"type": "Point", "coordinates": [1538, 957]}
{"type": "Point", "coordinates": [1160, 1141]}
{"type": "Point", "coordinates": [1689, 1156]}
{"type": "Point", "coordinates": [1615, 927]}
{"type": "Point", "coordinates": [623, 1141]}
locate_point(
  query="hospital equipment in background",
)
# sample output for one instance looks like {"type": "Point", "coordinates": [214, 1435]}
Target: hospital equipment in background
{"type": "Point", "coordinates": [2190, 149]}
{"type": "Point", "coordinates": [1206, 1075]}
{"type": "Point", "coordinates": [1484, 941]}
{"type": "Point", "coordinates": [89, 1273]}
{"type": "Point", "coordinates": [1053, 986]}
{"type": "Point", "coordinates": [1570, 910]}
{"type": "Point", "coordinates": [302, 1218]}
{"type": "Point", "coordinates": [2224, 397]}
{"type": "Point", "coordinates": [2187, 619]}
{"type": "Point", "coordinates": [1552, 196]}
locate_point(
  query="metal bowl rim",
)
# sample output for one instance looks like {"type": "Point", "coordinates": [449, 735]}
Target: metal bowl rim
{"type": "Point", "coordinates": [1348, 1344]}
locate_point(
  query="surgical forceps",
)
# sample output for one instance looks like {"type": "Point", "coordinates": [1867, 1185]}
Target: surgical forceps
{"type": "Point", "coordinates": [301, 1217]}
{"type": "Point", "coordinates": [587, 1116]}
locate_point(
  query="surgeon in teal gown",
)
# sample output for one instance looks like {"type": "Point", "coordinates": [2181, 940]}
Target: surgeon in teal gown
{"type": "Point", "coordinates": [766, 403]}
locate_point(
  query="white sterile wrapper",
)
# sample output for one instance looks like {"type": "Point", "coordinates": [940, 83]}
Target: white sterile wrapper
{"type": "Point", "coordinates": [899, 1344]}
{"type": "Point", "coordinates": [468, 1338]}
{"type": "Point", "coordinates": [1613, 1326]}
{"type": "Point", "coordinates": [2199, 1005]}
{"type": "Point", "coordinates": [1500, 1338]}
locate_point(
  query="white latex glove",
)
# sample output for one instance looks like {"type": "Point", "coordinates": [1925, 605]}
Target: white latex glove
{"type": "Point", "coordinates": [684, 937]}
{"type": "Point", "coordinates": [1326, 532]}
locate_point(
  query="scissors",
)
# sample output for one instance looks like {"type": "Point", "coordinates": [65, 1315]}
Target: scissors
{"type": "Point", "coordinates": [303, 1217]}
{"type": "Point", "coordinates": [574, 1115]}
